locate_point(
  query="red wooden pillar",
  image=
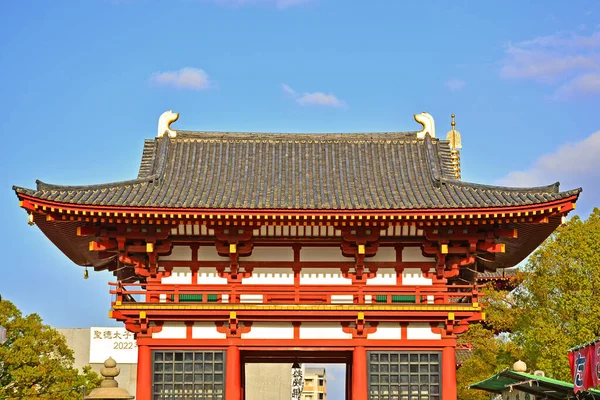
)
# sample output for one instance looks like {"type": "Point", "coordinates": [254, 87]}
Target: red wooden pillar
{"type": "Point", "coordinates": [233, 374]}
{"type": "Point", "coordinates": [448, 373]}
{"type": "Point", "coordinates": [348, 381]}
{"type": "Point", "coordinates": [359, 374]}
{"type": "Point", "coordinates": [144, 373]}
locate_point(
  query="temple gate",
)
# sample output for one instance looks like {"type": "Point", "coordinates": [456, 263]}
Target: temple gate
{"type": "Point", "coordinates": [248, 247]}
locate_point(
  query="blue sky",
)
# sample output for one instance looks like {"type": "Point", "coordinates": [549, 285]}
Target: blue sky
{"type": "Point", "coordinates": [83, 83]}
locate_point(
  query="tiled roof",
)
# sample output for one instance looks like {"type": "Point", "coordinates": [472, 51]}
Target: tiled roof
{"type": "Point", "coordinates": [462, 355]}
{"type": "Point", "coordinates": [381, 171]}
{"type": "Point", "coordinates": [500, 274]}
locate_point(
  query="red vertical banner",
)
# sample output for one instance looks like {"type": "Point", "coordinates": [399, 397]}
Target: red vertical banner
{"type": "Point", "coordinates": [580, 362]}
{"type": "Point", "coordinates": [595, 364]}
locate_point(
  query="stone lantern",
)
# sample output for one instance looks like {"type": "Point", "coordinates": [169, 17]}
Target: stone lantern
{"type": "Point", "coordinates": [109, 388]}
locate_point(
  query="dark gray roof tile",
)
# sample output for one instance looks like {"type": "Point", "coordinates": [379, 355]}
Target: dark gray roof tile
{"type": "Point", "coordinates": [384, 171]}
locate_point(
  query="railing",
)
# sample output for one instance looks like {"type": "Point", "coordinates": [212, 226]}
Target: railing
{"type": "Point", "coordinates": [291, 294]}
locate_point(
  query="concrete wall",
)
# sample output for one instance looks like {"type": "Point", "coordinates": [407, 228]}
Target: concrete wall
{"type": "Point", "coordinates": [78, 339]}
{"type": "Point", "coordinates": [263, 381]}
{"type": "Point", "coordinates": [268, 381]}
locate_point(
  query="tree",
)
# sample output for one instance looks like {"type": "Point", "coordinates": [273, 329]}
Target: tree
{"type": "Point", "coordinates": [555, 307]}
{"type": "Point", "coordinates": [558, 304]}
{"type": "Point", "coordinates": [35, 361]}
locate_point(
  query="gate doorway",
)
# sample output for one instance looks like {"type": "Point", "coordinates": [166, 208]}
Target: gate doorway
{"type": "Point", "coordinates": [274, 367]}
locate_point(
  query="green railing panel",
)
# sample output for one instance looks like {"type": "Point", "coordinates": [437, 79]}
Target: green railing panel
{"type": "Point", "coordinates": [212, 298]}
{"type": "Point", "coordinates": [190, 297]}
{"type": "Point", "coordinates": [381, 298]}
{"type": "Point", "coordinates": [403, 299]}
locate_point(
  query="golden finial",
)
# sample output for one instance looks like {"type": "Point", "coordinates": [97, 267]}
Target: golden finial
{"type": "Point", "coordinates": [455, 143]}
{"type": "Point", "coordinates": [454, 136]}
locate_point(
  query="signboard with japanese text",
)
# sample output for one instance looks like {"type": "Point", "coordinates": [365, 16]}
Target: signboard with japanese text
{"type": "Point", "coordinates": [580, 361]}
{"type": "Point", "coordinates": [117, 343]}
{"type": "Point", "coordinates": [596, 364]}
{"type": "Point", "coordinates": [297, 381]}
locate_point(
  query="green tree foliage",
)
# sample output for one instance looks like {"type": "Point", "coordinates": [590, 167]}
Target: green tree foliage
{"type": "Point", "coordinates": [35, 361]}
{"type": "Point", "coordinates": [559, 301]}
{"type": "Point", "coordinates": [555, 307]}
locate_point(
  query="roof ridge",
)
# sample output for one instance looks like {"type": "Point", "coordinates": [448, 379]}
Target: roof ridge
{"type": "Point", "coordinates": [292, 136]}
{"type": "Point", "coordinates": [552, 188]}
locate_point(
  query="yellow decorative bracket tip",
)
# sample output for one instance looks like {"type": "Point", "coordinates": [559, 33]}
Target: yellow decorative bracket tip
{"type": "Point", "coordinates": [450, 316]}
{"type": "Point", "coordinates": [232, 248]}
{"type": "Point", "coordinates": [444, 249]}
{"type": "Point", "coordinates": [142, 314]}
{"type": "Point", "coordinates": [361, 316]}
{"type": "Point", "coordinates": [361, 249]}
{"type": "Point", "coordinates": [232, 315]}
{"type": "Point", "coordinates": [149, 247]}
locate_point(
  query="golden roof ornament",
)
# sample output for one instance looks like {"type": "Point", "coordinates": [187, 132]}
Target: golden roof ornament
{"type": "Point", "coordinates": [453, 137]}
{"type": "Point", "coordinates": [428, 123]}
{"type": "Point", "coordinates": [164, 124]}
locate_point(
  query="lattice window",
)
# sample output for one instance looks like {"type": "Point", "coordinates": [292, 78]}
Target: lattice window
{"type": "Point", "coordinates": [404, 376]}
{"type": "Point", "coordinates": [188, 375]}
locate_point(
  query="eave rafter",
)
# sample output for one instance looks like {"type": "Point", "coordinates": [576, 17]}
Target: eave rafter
{"type": "Point", "coordinates": [534, 213]}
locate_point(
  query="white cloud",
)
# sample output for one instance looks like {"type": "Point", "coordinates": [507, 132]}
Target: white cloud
{"type": "Point", "coordinates": [566, 61]}
{"type": "Point", "coordinates": [185, 78]}
{"type": "Point", "coordinates": [455, 84]}
{"type": "Point", "coordinates": [288, 89]}
{"type": "Point", "coordinates": [574, 165]}
{"type": "Point", "coordinates": [316, 98]}
{"type": "Point", "coordinates": [320, 98]}
{"type": "Point", "coordinates": [587, 84]}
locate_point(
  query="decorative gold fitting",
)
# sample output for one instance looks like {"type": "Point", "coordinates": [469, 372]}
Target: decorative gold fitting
{"type": "Point", "coordinates": [86, 274]}
{"type": "Point", "coordinates": [149, 247]}
{"type": "Point", "coordinates": [450, 316]}
{"type": "Point", "coordinates": [444, 249]}
{"type": "Point", "coordinates": [232, 248]}
{"type": "Point", "coordinates": [361, 249]}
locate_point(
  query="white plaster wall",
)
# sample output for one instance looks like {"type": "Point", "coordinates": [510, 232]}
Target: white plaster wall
{"type": "Point", "coordinates": [270, 254]}
{"type": "Point", "coordinates": [384, 254]}
{"type": "Point", "coordinates": [323, 276]}
{"type": "Point", "coordinates": [206, 330]}
{"type": "Point", "coordinates": [402, 231]}
{"type": "Point", "coordinates": [179, 253]}
{"type": "Point", "coordinates": [322, 254]}
{"type": "Point", "coordinates": [171, 330]}
{"type": "Point", "coordinates": [322, 330]}
{"type": "Point", "coordinates": [414, 254]}
{"type": "Point", "coordinates": [387, 330]}
{"type": "Point", "coordinates": [179, 275]}
{"type": "Point", "coordinates": [421, 331]}
{"type": "Point", "coordinates": [209, 253]}
{"type": "Point", "coordinates": [342, 299]}
{"type": "Point", "coordinates": [251, 298]}
{"type": "Point", "coordinates": [414, 276]}
{"type": "Point", "coordinates": [270, 330]}
{"type": "Point", "coordinates": [270, 276]}
{"type": "Point", "coordinates": [209, 276]}
{"type": "Point", "coordinates": [385, 276]}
